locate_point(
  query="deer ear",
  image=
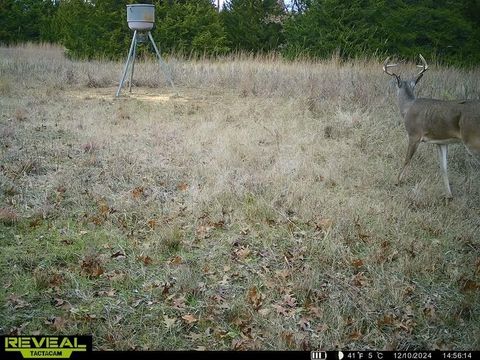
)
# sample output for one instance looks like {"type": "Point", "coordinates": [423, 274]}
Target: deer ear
{"type": "Point", "coordinates": [413, 83]}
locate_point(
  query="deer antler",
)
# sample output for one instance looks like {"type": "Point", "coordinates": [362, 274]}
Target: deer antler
{"type": "Point", "coordinates": [386, 65]}
{"type": "Point", "coordinates": [424, 67]}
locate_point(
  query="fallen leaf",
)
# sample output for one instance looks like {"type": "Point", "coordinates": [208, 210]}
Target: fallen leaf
{"type": "Point", "coordinates": [255, 298]}
{"type": "Point", "coordinates": [115, 275]}
{"type": "Point", "coordinates": [152, 224]}
{"type": "Point", "coordinates": [107, 293]}
{"type": "Point", "coordinates": [166, 287]}
{"type": "Point", "coordinates": [470, 285]}
{"type": "Point", "coordinates": [179, 303]}
{"type": "Point", "coordinates": [238, 344]}
{"type": "Point", "coordinates": [429, 309]}
{"type": "Point", "coordinates": [58, 302]}
{"type": "Point", "coordinates": [357, 263]}
{"type": "Point", "coordinates": [169, 322]}
{"type": "Point", "coordinates": [386, 320]}
{"type": "Point", "coordinates": [321, 328]}
{"type": "Point", "coordinates": [281, 310]}
{"type": "Point", "coordinates": [359, 280]}
{"type": "Point", "coordinates": [147, 260]}
{"type": "Point", "coordinates": [284, 274]}
{"type": "Point", "coordinates": [103, 208]}
{"type": "Point", "coordinates": [355, 336]}
{"type": "Point", "coordinates": [58, 323]}
{"type": "Point", "coordinates": [289, 338]}
{"type": "Point", "coordinates": [137, 192]}
{"type": "Point", "coordinates": [189, 319]}
{"type": "Point", "coordinates": [408, 291]}
{"type": "Point", "coordinates": [241, 253]}
{"type": "Point", "coordinates": [17, 330]}
{"type": "Point", "coordinates": [304, 324]}
{"type": "Point", "coordinates": [289, 300]}
{"type": "Point", "coordinates": [182, 186]}
{"type": "Point", "coordinates": [90, 317]}
{"type": "Point", "coordinates": [92, 265]}
{"type": "Point", "coordinates": [324, 224]}
{"type": "Point", "coordinates": [17, 302]}
{"type": "Point", "coordinates": [315, 311]}
{"type": "Point", "coordinates": [204, 231]}
{"type": "Point", "coordinates": [175, 260]}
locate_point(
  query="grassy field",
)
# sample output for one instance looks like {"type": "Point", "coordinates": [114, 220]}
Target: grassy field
{"type": "Point", "coordinates": [252, 206]}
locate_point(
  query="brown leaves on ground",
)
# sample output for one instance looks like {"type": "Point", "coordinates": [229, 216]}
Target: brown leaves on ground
{"type": "Point", "coordinates": [91, 265]}
{"type": "Point", "coordinates": [468, 285]}
{"type": "Point", "coordinates": [57, 323]}
{"type": "Point", "coordinates": [359, 280]}
{"type": "Point", "coordinates": [357, 263]}
{"type": "Point", "coordinates": [138, 192]}
{"type": "Point", "coordinates": [323, 224]}
{"type": "Point", "coordinates": [287, 307]}
{"type": "Point", "coordinates": [47, 278]}
{"type": "Point", "coordinates": [403, 320]}
{"type": "Point", "coordinates": [169, 322]}
{"type": "Point", "coordinates": [189, 319]}
{"type": "Point", "coordinates": [17, 330]}
{"type": "Point", "coordinates": [289, 339]}
{"type": "Point", "coordinates": [17, 302]}
{"type": "Point", "coordinates": [176, 260]}
{"type": "Point", "coordinates": [145, 259]}
{"type": "Point", "coordinates": [241, 253]}
{"type": "Point", "coordinates": [255, 297]}
{"type": "Point", "coordinates": [106, 293]}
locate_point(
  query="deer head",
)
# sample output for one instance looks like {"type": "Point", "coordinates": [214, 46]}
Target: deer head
{"type": "Point", "coordinates": [405, 88]}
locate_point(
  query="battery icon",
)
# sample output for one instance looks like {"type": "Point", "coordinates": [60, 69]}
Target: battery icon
{"type": "Point", "coordinates": [318, 355]}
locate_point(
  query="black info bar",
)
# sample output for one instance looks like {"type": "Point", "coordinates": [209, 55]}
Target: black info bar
{"type": "Point", "coordinates": [302, 355]}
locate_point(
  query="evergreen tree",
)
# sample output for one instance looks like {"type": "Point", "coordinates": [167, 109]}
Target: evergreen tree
{"type": "Point", "coordinates": [26, 20]}
{"type": "Point", "coordinates": [189, 27]}
{"type": "Point", "coordinates": [437, 29]}
{"type": "Point", "coordinates": [254, 25]}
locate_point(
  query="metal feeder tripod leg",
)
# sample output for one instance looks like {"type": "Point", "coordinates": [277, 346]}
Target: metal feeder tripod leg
{"type": "Point", "coordinates": [130, 53]}
{"type": "Point", "coordinates": [133, 66]}
{"type": "Point", "coordinates": [162, 63]}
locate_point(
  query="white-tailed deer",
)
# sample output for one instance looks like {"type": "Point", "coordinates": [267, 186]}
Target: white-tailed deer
{"type": "Point", "coordinates": [435, 121]}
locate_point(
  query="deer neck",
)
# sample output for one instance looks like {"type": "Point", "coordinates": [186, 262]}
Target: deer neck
{"type": "Point", "coordinates": [406, 98]}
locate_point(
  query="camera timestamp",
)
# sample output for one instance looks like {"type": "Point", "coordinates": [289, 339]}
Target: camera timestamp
{"type": "Point", "coordinates": [456, 355]}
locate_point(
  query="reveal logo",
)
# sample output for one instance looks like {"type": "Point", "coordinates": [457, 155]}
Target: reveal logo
{"type": "Point", "coordinates": [51, 347]}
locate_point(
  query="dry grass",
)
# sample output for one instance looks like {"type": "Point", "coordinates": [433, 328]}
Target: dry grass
{"type": "Point", "coordinates": [252, 207]}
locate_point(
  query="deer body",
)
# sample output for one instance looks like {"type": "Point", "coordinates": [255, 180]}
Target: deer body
{"type": "Point", "coordinates": [435, 121]}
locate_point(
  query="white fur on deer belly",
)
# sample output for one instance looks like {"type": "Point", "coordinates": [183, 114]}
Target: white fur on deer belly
{"type": "Point", "coordinates": [440, 141]}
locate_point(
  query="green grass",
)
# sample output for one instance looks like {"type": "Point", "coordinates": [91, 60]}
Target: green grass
{"type": "Point", "coordinates": [251, 208]}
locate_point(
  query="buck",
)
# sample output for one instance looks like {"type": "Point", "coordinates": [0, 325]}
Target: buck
{"type": "Point", "coordinates": [435, 121]}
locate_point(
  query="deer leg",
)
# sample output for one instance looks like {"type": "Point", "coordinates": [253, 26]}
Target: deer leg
{"type": "Point", "coordinates": [442, 158]}
{"type": "Point", "coordinates": [412, 147]}
{"type": "Point", "coordinates": [474, 151]}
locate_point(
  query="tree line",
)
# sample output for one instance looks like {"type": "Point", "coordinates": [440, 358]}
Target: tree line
{"type": "Point", "coordinates": [447, 31]}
